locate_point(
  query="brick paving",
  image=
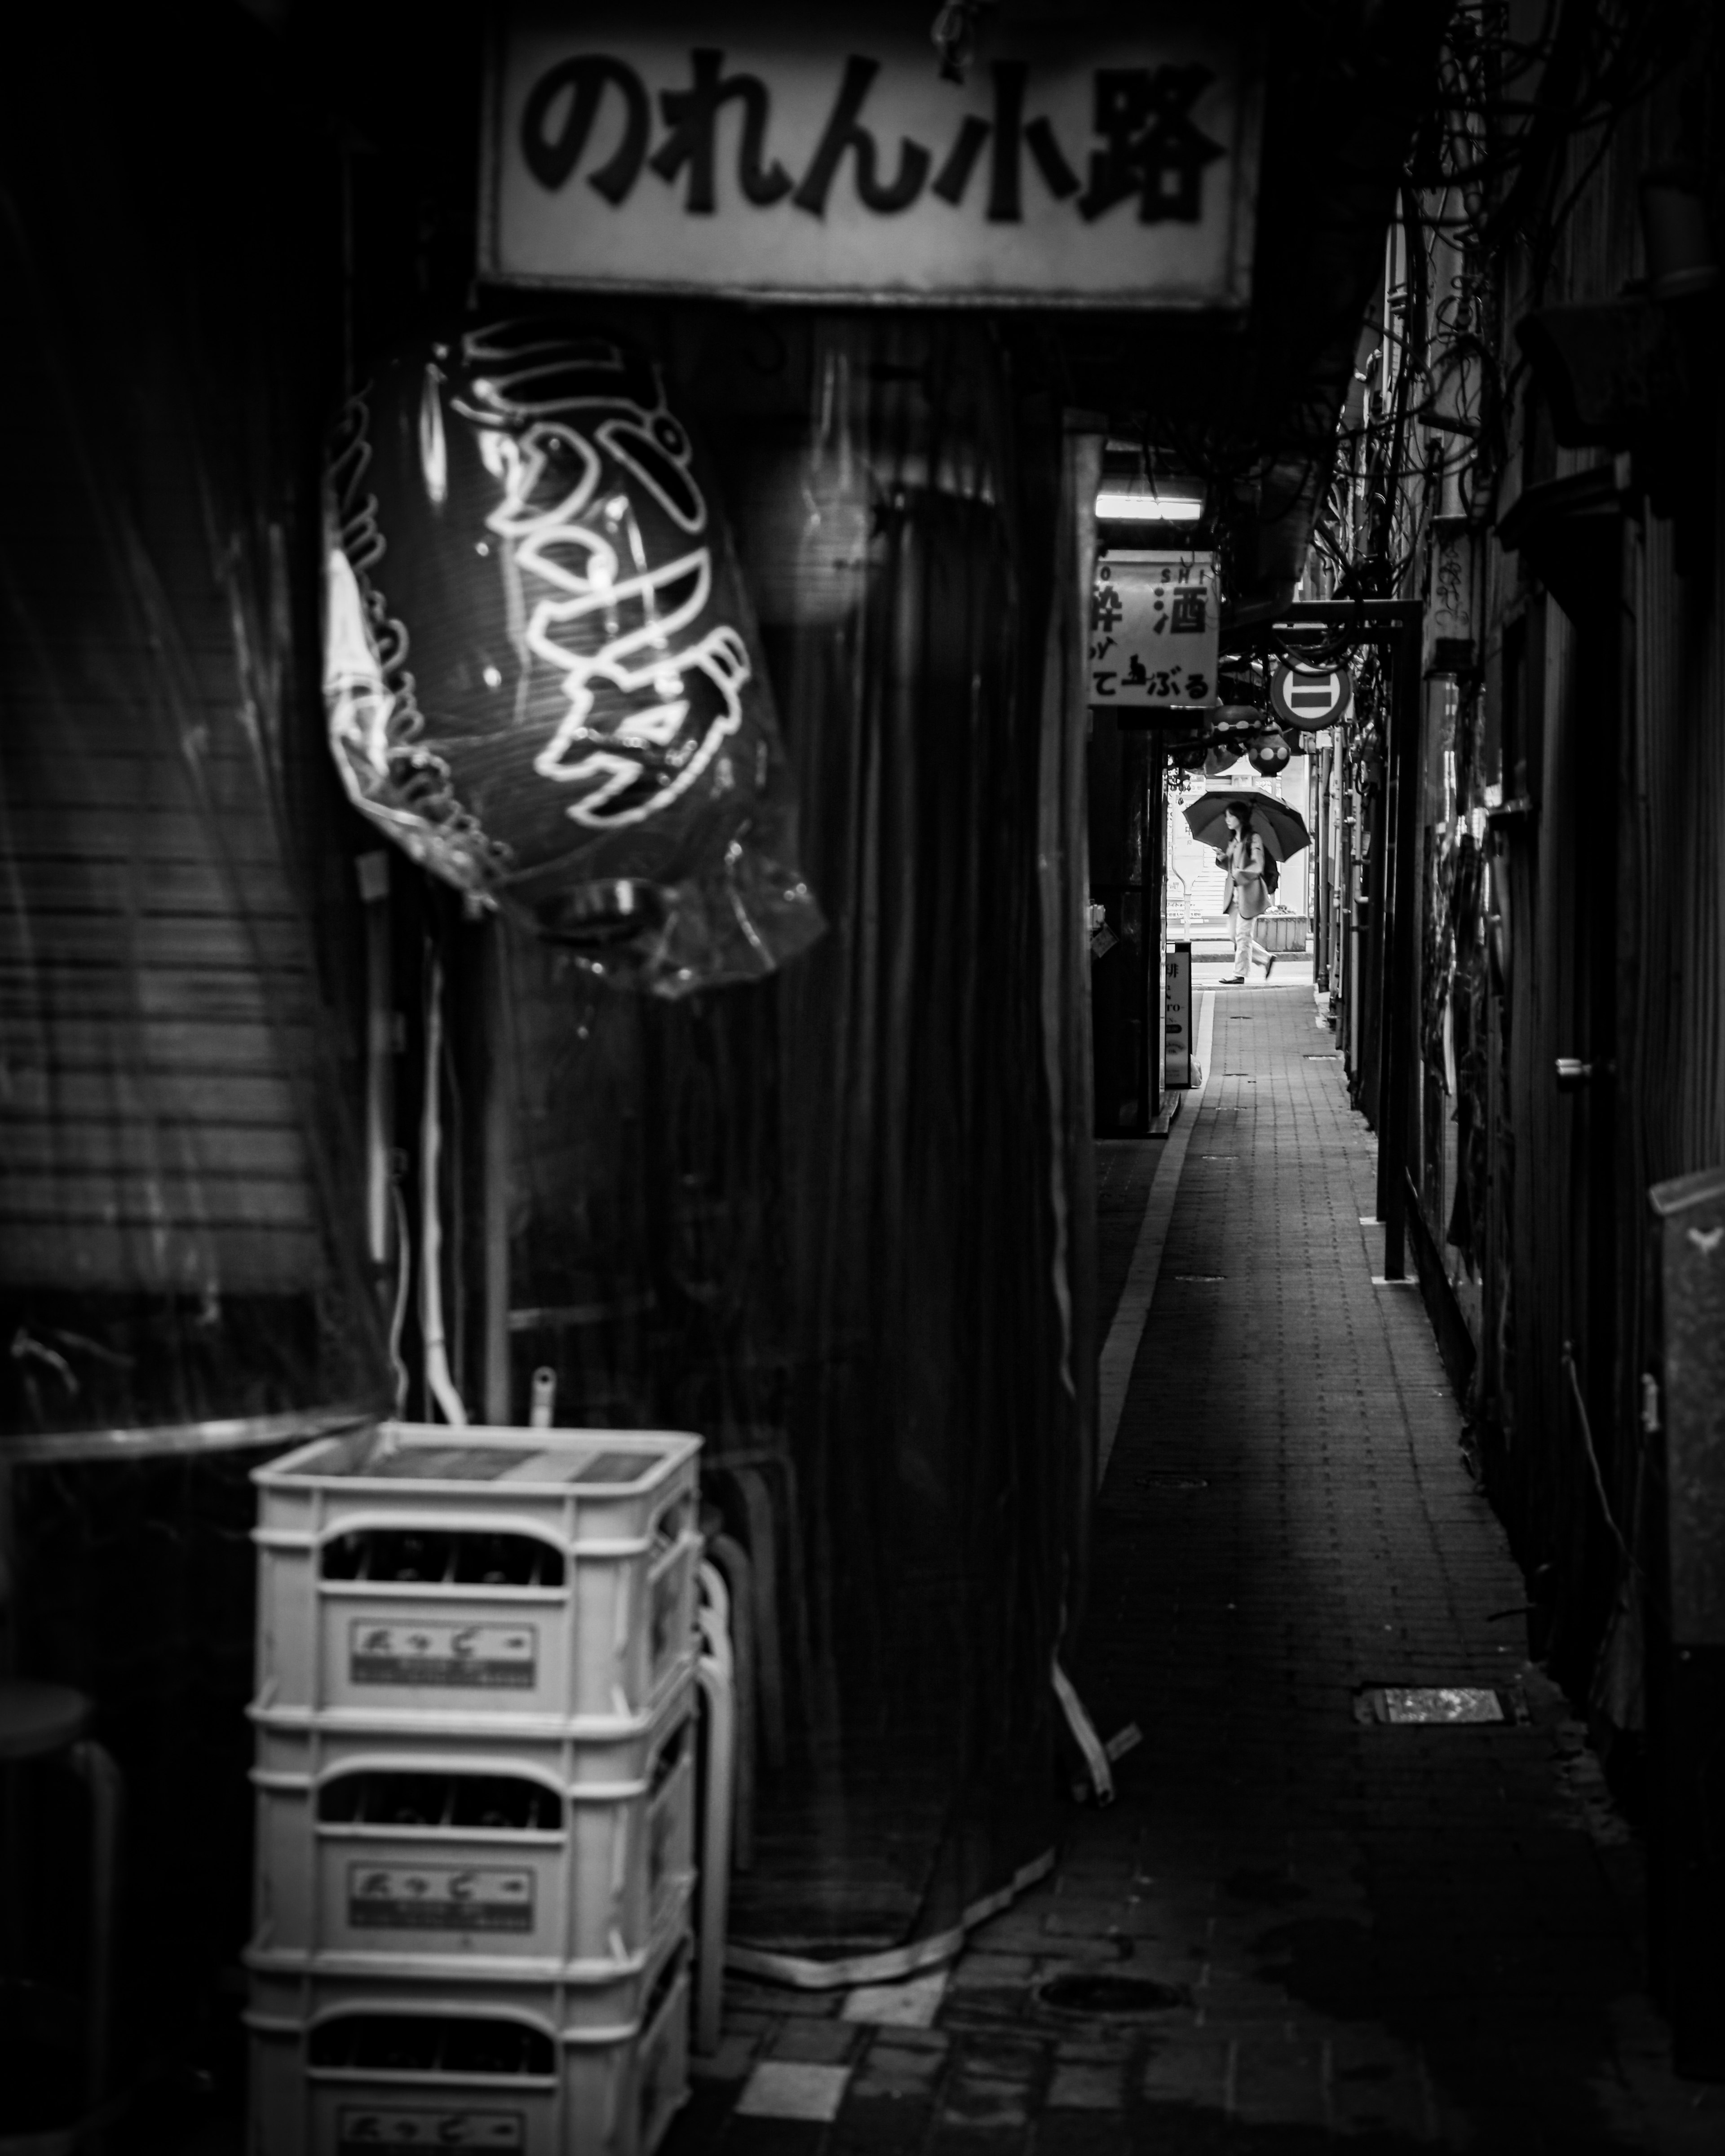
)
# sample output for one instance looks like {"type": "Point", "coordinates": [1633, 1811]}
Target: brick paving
{"type": "Point", "coordinates": [1125, 1169]}
{"type": "Point", "coordinates": [1395, 1938]}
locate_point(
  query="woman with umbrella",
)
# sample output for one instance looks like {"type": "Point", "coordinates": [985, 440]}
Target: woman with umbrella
{"type": "Point", "coordinates": [1253, 828]}
{"type": "Point", "coordinates": [1248, 895]}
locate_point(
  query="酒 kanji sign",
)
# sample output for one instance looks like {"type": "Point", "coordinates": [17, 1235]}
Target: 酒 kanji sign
{"type": "Point", "coordinates": [1152, 630]}
{"type": "Point", "coordinates": [1104, 160]}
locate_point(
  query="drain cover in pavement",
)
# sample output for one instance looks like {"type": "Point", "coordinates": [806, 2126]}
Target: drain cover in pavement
{"type": "Point", "coordinates": [1114, 1996]}
{"type": "Point", "coordinates": [1322, 1055]}
{"type": "Point", "coordinates": [1432, 1704]}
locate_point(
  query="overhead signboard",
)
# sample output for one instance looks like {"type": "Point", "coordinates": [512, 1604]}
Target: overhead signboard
{"type": "Point", "coordinates": [1309, 697]}
{"type": "Point", "coordinates": [1090, 156]}
{"type": "Point", "coordinates": [1153, 631]}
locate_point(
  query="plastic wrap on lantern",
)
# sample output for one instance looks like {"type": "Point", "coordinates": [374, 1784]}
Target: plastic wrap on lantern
{"type": "Point", "coordinates": [542, 676]}
{"type": "Point", "coordinates": [809, 532]}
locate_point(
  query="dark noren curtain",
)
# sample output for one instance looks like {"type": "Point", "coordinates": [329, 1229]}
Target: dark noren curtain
{"type": "Point", "coordinates": [830, 1221]}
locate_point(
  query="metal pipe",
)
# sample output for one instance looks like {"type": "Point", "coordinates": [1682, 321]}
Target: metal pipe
{"type": "Point", "coordinates": [496, 1139]}
{"type": "Point", "coordinates": [1399, 887]}
{"type": "Point", "coordinates": [94, 1765]}
{"type": "Point", "coordinates": [372, 870]}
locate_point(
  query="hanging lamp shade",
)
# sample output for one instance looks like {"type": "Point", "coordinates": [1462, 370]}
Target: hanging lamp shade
{"type": "Point", "coordinates": [542, 676]}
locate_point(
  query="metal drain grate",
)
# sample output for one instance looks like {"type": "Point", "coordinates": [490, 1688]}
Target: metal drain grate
{"type": "Point", "coordinates": [1200, 1279]}
{"type": "Point", "coordinates": [1322, 1055]}
{"type": "Point", "coordinates": [1165, 1478]}
{"type": "Point", "coordinates": [1436, 1706]}
{"type": "Point", "coordinates": [1113, 1997]}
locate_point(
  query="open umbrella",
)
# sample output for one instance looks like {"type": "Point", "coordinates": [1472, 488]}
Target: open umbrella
{"type": "Point", "coordinates": [1282, 829]}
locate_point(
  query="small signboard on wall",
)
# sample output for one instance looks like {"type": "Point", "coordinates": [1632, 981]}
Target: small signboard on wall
{"type": "Point", "coordinates": [1084, 156]}
{"type": "Point", "coordinates": [1177, 1017]}
{"type": "Point", "coordinates": [1153, 631]}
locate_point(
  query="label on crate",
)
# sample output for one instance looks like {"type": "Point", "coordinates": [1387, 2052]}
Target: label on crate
{"type": "Point", "coordinates": [366, 2127]}
{"type": "Point", "coordinates": [438, 1898]}
{"type": "Point", "coordinates": [486, 1657]}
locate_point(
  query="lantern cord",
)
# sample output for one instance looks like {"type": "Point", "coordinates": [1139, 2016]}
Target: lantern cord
{"type": "Point", "coordinates": [440, 1387]}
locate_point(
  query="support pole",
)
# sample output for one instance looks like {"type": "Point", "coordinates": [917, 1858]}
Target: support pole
{"type": "Point", "coordinates": [1398, 888]}
{"type": "Point", "coordinates": [373, 870]}
{"type": "Point", "coordinates": [95, 1767]}
{"type": "Point", "coordinates": [1155, 875]}
{"type": "Point", "coordinates": [496, 1141]}
{"type": "Point", "coordinates": [1314, 866]}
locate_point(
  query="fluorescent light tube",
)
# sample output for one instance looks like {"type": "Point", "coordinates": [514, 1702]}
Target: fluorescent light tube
{"type": "Point", "coordinates": [1120, 507]}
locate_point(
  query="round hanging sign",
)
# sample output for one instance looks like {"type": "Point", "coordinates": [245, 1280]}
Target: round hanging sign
{"type": "Point", "coordinates": [1311, 697]}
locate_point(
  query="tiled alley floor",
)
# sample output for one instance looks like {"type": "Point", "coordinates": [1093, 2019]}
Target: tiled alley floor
{"type": "Point", "coordinates": [1397, 1937]}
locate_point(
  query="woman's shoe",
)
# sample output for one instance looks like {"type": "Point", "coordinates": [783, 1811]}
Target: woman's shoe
{"type": "Point", "coordinates": [1268, 963]}
{"type": "Point", "coordinates": [1232, 981]}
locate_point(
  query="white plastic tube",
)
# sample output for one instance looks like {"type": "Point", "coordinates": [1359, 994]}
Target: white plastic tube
{"type": "Point", "coordinates": [439, 1385]}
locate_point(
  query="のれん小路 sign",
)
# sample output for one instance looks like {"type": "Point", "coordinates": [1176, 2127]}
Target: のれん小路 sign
{"type": "Point", "coordinates": [1090, 156]}
{"type": "Point", "coordinates": [1154, 630]}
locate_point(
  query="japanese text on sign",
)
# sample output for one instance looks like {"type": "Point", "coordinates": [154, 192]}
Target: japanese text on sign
{"type": "Point", "coordinates": [1154, 630]}
{"type": "Point", "coordinates": [364, 2127]}
{"type": "Point", "coordinates": [1080, 162]}
{"type": "Point", "coordinates": [473, 1656]}
{"type": "Point", "coordinates": [439, 1898]}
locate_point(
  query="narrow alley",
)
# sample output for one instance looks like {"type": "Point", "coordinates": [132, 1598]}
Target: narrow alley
{"type": "Point", "coordinates": [1303, 1922]}
{"type": "Point", "coordinates": [862, 1078]}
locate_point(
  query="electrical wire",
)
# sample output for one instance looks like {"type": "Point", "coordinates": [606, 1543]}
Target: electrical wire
{"type": "Point", "coordinates": [1592, 1458]}
{"type": "Point", "coordinates": [1483, 177]}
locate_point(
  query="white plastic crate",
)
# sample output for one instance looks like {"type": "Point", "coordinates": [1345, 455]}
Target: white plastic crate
{"type": "Point", "coordinates": [535, 1577]}
{"type": "Point", "coordinates": [483, 1859]}
{"type": "Point", "coordinates": [300, 1744]}
{"type": "Point", "coordinates": [378, 2067]}
{"type": "Point", "coordinates": [580, 1485]}
{"type": "Point", "coordinates": [602, 1996]}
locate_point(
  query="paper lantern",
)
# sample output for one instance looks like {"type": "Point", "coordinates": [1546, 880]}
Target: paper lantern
{"type": "Point", "coordinates": [542, 676]}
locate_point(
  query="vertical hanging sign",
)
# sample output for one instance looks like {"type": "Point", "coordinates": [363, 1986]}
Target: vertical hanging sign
{"type": "Point", "coordinates": [1084, 158]}
{"type": "Point", "coordinates": [1153, 631]}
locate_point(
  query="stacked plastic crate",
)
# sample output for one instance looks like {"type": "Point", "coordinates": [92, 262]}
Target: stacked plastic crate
{"type": "Point", "coordinates": [475, 1791]}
